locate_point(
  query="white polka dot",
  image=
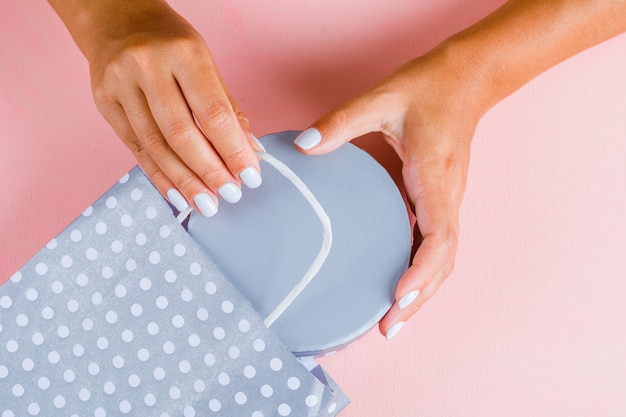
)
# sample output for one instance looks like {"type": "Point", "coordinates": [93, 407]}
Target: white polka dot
{"type": "Point", "coordinates": [21, 320]}
{"type": "Point", "coordinates": [131, 265]}
{"type": "Point", "coordinates": [8, 413]}
{"type": "Point", "coordinates": [199, 386]}
{"type": "Point", "coordinates": [66, 261]}
{"type": "Point", "coordinates": [143, 354]}
{"type": "Point", "coordinates": [210, 288]}
{"type": "Point", "coordinates": [240, 398]}
{"type": "Point", "coordinates": [244, 326]}
{"type": "Point", "coordinates": [101, 228]}
{"type": "Point", "coordinates": [117, 246]}
{"type": "Point", "coordinates": [189, 411]}
{"type": "Point", "coordinates": [96, 298]}
{"type": "Point", "coordinates": [178, 321]}
{"type": "Point", "coordinates": [28, 364]}
{"type": "Point", "coordinates": [186, 295]}
{"type": "Point", "coordinates": [120, 291]}
{"type": "Point", "coordinates": [165, 231]}
{"type": "Point", "coordinates": [59, 401]}
{"type": "Point", "coordinates": [84, 394]}
{"type": "Point", "coordinates": [4, 372]}
{"type": "Point", "coordinates": [12, 346]}
{"type": "Point", "coordinates": [102, 343]}
{"type": "Point", "coordinates": [56, 287]}
{"type": "Point", "coordinates": [179, 249]}
{"type": "Point", "coordinates": [63, 331]}
{"type": "Point", "coordinates": [267, 391]}
{"type": "Point", "coordinates": [227, 307]}
{"type": "Point", "coordinates": [16, 278]}
{"type": "Point", "coordinates": [154, 257]}
{"type": "Point", "coordinates": [93, 369]}
{"type": "Point", "coordinates": [31, 294]}
{"type": "Point", "coordinates": [88, 211]}
{"type": "Point", "coordinates": [99, 412]}
{"type": "Point", "coordinates": [87, 324]}
{"type": "Point", "coordinates": [109, 387]}
{"type": "Point", "coordinates": [107, 272]}
{"type": "Point", "coordinates": [332, 408]}
{"type": "Point", "coordinates": [193, 340]}
{"type": "Point", "coordinates": [215, 405]}
{"type": "Point", "coordinates": [141, 239]}
{"type": "Point", "coordinates": [33, 409]}
{"type": "Point", "coordinates": [124, 178]}
{"type": "Point", "coordinates": [233, 352]}
{"type": "Point", "coordinates": [43, 383]}
{"type": "Point", "coordinates": [41, 268]}
{"type": "Point", "coordinates": [161, 302]}
{"type": "Point", "coordinates": [47, 312]}
{"type": "Point", "coordinates": [125, 407]}
{"type": "Point", "coordinates": [209, 359]}
{"type": "Point", "coordinates": [153, 328]}
{"type": "Point", "coordinates": [257, 413]}
{"type": "Point", "coordinates": [111, 202]}
{"type": "Point", "coordinates": [91, 254]}
{"type": "Point", "coordinates": [223, 378]}
{"type": "Point", "coordinates": [134, 380]}
{"type": "Point", "coordinates": [258, 345]}
{"type": "Point", "coordinates": [69, 376]}
{"type": "Point", "coordinates": [78, 350]}
{"type": "Point", "coordinates": [54, 357]}
{"type": "Point", "coordinates": [276, 364]}
{"type": "Point", "coordinates": [111, 317]}
{"type": "Point", "coordinates": [38, 339]}
{"type": "Point", "coordinates": [149, 400]}
{"type": "Point", "coordinates": [72, 306]}
{"type": "Point", "coordinates": [202, 314]}
{"type": "Point", "coordinates": [52, 244]}
{"type": "Point", "coordinates": [118, 361]}
{"type": "Point", "coordinates": [293, 383]}
{"type": "Point", "coordinates": [151, 213]}
{"type": "Point", "coordinates": [195, 268]}
{"type": "Point", "coordinates": [145, 283]}
{"type": "Point", "coordinates": [136, 310]}
{"type": "Point", "coordinates": [127, 336]}
{"type": "Point", "coordinates": [170, 276]}
{"type": "Point", "coordinates": [284, 410]}
{"type": "Point", "coordinates": [159, 374]}
{"type": "Point", "coordinates": [6, 301]}
{"type": "Point", "coordinates": [175, 393]}
{"type": "Point", "coordinates": [184, 366]}
{"type": "Point", "coordinates": [136, 194]}
{"type": "Point", "coordinates": [249, 371]}
{"type": "Point", "coordinates": [168, 347]}
{"type": "Point", "coordinates": [82, 280]}
{"type": "Point", "coordinates": [219, 333]}
{"type": "Point", "coordinates": [76, 235]}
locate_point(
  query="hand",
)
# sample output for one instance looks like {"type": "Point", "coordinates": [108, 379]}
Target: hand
{"type": "Point", "coordinates": [152, 74]}
{"type": "Point", "coordinates": [427, 111]}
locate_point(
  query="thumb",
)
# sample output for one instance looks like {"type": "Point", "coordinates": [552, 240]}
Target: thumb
{"type": "Point", "coordinates": [355, 118]}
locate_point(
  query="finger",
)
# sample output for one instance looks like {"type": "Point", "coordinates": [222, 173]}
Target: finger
{"type": "Point", "coordinates": [154, 144]}
{"type": "Point", "coordinates": [221, 122]}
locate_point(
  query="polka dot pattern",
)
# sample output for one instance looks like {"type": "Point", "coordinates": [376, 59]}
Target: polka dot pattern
{"type": "Point", "coordinates": [123, 314]}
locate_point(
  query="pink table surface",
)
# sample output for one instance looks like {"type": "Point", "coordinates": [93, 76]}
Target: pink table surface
{"type": "Point", "coordinates": [533, 320]}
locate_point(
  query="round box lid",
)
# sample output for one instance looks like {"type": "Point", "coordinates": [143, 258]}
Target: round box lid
{"type": "Point", "coordinates": [266, 242]}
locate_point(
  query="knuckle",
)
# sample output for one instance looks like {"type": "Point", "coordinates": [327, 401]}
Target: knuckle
{"type": "Point", "coordinates": [215, 116]}
{"type": "Point", "coordinates": [236, 154]}
{"type": "Point", "coordinates": [153, 143]}
{"type": "Point", "coordinates": [179, 133]}
{"type": "Point", "coordinates": [185, 182]}
{"type": "Point", "coordinates": [338, 119]}
{"type": "Point", "coordinates": [211, 174]}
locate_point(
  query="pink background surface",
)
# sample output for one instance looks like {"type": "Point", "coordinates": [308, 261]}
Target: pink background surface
{"type": "Point", "coordinates": [531, 323]}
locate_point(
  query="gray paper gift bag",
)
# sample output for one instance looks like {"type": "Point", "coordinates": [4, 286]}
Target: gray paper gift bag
{"type": "Point", "coordinates": [124, 314]}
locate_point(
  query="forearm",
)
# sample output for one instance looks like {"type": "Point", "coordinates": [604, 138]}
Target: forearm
{"type": "Point", "coordinates": [526, 37]}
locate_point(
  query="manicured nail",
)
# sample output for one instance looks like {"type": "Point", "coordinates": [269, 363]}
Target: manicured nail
{"type": "Point", "coordinates": [251, 177]}
{"type": "Point", "coordinates": [407, 299]}
{"type": "Point", "coordinates": [308, 139]}
{"type": "Point", "coordinates": [230, 192]}
{"type": "Point", "coordinates": [206, 204]}
{"type": "Point", "coordinates": [177, 199]}
{"type": "Point", "coordinates": [394, 330]}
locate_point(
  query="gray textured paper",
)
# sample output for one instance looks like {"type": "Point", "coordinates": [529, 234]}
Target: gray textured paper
{"type": "Point", "coordinates": [123, 314]}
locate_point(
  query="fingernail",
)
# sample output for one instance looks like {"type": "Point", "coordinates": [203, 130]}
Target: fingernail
{"type": "Point", "coordinates": [394, 330]}
{"type": "Point", "coordinates": [205, 203]}
{"type": "Point", "coordinates": [177, 199]}
{"type": "Point", "coordinates": [251, 177]}
{"type": "Point", "coordinates": [308, 139]}
{"type": "Point", "coordinates": [258, 143]}
{"type": "Point", "coordinates": [230, 192]}
{"type": "Point", "coordinates": [408, 299]}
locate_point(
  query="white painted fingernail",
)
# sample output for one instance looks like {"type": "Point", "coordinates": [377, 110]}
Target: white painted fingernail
{"type": "Point", "coordinates": [308, 139]}
{"type": "Point", "coordinates": [230, 192]}
{"type": "Point", "coordinates": [177, 199]}
{"type": "Point", "coordinates": [394, 330]}
{"type": "Point", "coordinates": [251, 177]}
{"type": "Point", "coordinates": [408, 299]}
{"type": "Point", "coordinates": [205, 203]}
